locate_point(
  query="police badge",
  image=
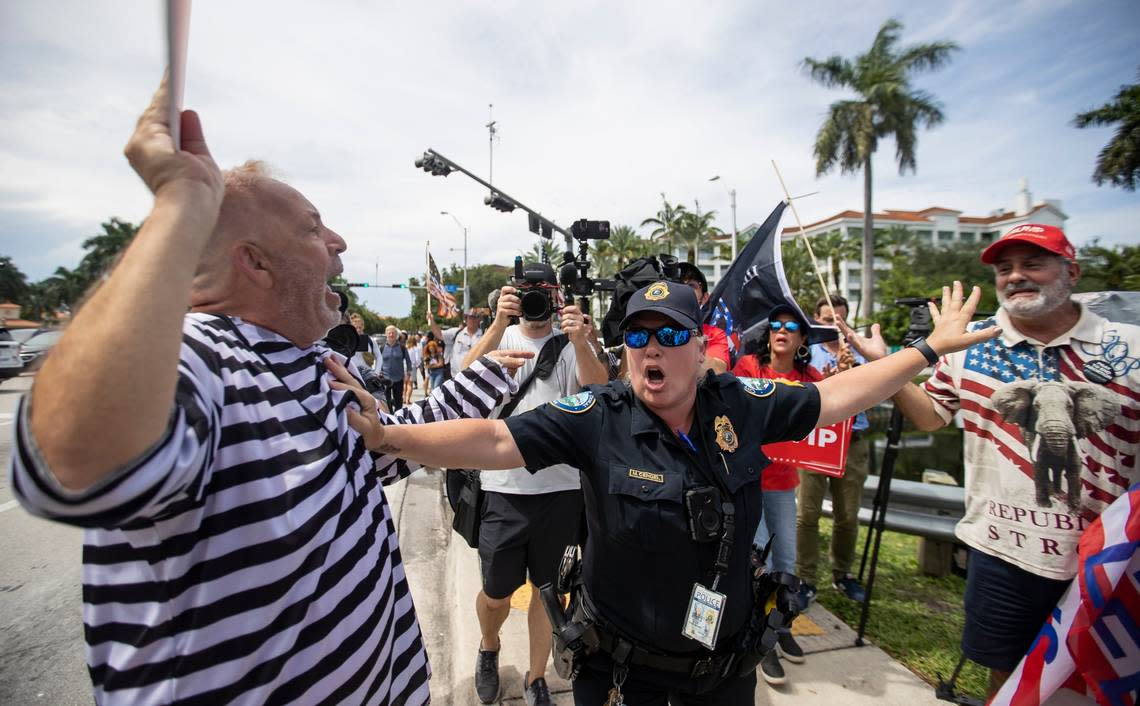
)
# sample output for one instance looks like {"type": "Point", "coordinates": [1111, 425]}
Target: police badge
{"type": "Point", "coordinates": [657, 291]}
{"type": "Point", "coordinates": [726, 437]}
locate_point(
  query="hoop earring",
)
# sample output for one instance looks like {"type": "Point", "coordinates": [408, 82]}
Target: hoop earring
{"type": "Point", "coordinates": [803, 351]}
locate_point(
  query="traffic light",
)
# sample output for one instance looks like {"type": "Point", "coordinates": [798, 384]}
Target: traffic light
{"type": "Point", "coordinates": [398, 286]}
{"type": "Point", "coordinates": [533, 222]}
{"type": "Point", "coordinates": [357, 284]}
{"type": "Point", "coordinates": [433, 164]}
{"type": "Point", "coordinates": [499, 202]}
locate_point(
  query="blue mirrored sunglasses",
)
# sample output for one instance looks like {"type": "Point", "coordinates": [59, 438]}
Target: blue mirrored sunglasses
{"type": "Point", "coordinates": [790, 326]}
{"type": "Point", "coordinates": [668, 336]}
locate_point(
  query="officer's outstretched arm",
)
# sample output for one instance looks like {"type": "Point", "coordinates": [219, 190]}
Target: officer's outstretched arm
{"type": "Point", "coordinates": [852, 391]}
{"type": "Point", "coordinates": [460, 443]}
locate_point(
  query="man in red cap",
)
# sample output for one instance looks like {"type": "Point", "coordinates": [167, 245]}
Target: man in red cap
{"type": "Point", "coordinates": [1050, 412]}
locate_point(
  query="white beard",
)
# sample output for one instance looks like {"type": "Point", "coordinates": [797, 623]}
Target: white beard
{"type": "Point", "coordinates": [1048, 299]}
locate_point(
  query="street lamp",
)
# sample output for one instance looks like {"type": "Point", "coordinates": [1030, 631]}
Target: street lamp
{"type": "Point", "coordinates": [732, 196]}
{"type": "Point", "coordinates": [466, 294]}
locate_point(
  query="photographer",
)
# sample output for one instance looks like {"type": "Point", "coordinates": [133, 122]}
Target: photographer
{"type": "Point", "coordinates": [669, 464]}
{"type": "Point", "coordinates": [528, 519]}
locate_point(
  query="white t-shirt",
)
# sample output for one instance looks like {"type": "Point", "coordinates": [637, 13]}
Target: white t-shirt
{"type": "Point", "coordinates": [458, 343]}
{"type": "Point", "coordinates": [563, 381]}
{"type": "Point", "coordinates": [1002, 516]}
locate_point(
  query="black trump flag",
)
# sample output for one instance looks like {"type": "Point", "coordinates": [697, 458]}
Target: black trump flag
{"type": "Point", "coordinates": [755, 283]}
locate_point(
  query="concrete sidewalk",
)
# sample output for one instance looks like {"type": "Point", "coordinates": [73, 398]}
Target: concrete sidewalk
{"type": "Point", "coordinates": [444, 576]}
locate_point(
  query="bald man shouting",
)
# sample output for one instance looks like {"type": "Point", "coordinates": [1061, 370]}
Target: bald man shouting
{"type": "Point", "coordinates": [239, 546]}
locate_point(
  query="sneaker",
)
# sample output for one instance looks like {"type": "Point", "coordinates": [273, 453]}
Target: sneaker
{"type": "Point", "coordinates": [487, 675]}
{"type": "Point", "coordinates": [788, 647]}
{"type": "Point", "coordinates": [771, 669]}
{"type": "Point", "coordinates": [806, 595]}
{"type": "Point", "coordinates": [849, 586]}
{"type": "Point", "coordinates": [537, 693]}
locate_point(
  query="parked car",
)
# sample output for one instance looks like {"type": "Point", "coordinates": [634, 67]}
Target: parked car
{"type": "Point", "coordinates": [10, 363]}
{"type": "Point", "coordinates": [35, 349]}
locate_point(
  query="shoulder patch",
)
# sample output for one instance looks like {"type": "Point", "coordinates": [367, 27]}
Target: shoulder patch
{"type": "Point", "coordinates": [758, 387]}
{"type": "Point", "coordinates": [575, 404]}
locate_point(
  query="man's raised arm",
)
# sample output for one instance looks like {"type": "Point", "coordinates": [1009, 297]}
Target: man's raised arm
{"type": "Point", "coordinates": [105, 394]}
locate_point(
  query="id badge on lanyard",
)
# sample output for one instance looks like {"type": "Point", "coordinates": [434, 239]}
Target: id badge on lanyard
{"type": "Point", "coordinates": [703, 618]}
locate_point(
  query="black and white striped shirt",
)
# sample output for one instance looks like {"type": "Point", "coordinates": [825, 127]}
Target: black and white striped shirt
{"type": "Point", "coordinates": [250, 556]}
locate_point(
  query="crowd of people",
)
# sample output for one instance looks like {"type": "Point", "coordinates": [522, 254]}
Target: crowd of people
{"type": "Point", "coordinates": [228, 468]}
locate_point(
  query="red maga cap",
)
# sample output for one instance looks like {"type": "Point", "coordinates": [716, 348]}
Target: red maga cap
{"type": "Point", "coordinates": [1049, 238]}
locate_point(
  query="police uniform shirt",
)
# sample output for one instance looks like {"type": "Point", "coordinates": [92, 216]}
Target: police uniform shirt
{"type": "Point", "coordinates": [640, 563]}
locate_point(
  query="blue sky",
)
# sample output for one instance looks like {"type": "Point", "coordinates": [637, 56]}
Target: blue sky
{"type": "Point", "coordinates": [601, 105]}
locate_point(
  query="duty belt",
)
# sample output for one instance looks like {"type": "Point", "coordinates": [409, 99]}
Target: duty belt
{"type": "Point", "coordinates": [623, 651]}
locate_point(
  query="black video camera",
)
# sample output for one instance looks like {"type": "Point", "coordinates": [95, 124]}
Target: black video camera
{"type": "Point", "coordinates": [705, 519]}
{"type": "Point", "coordinates": [535, 280]}
{"type": "Point", "coordinates": [921, 323]}
{"type": "Point", "coordinates": [574, 273]}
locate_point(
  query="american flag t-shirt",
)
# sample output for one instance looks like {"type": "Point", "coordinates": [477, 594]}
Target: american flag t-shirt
{"type": "Point", "coordinates": [1003, 517]}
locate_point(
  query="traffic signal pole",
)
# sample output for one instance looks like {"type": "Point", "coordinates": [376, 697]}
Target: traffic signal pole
{"type": "Point", "coordinates": [438, 165]}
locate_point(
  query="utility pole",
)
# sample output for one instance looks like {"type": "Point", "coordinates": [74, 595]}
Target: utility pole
{"type": "Point", "coordinates": [491, 131]}
{"type": "Point", "coordinates": [466, 293]}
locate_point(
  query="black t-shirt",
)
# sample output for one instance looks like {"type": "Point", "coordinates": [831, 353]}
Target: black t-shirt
{"type": "Point", "coordinates": [640, 563]}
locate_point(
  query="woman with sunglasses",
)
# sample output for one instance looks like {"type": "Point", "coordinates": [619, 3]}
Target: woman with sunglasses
{"type": "Point", "coordinates": [669, 466]}
{"type": "Point", "coordinates": [781, 352]}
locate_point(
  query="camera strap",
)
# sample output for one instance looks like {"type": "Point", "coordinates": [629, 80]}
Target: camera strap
{"type": "Point", "coordinates": [543, 369]}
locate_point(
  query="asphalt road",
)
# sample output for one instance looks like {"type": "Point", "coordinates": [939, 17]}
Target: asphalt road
{"type": "Point", "coordinates": [41, 619]}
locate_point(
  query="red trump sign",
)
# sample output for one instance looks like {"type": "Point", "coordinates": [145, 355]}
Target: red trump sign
{"type": "Point", "coordinates": [823, 451]}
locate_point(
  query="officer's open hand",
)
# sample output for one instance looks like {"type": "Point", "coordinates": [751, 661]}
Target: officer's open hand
{"type": "Point", "coordinates": [367, 419]}
{"type": "Point", "coordinates": [952, 318]}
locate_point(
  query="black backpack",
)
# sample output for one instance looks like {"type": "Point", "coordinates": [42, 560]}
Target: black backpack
{"type": "Point", "coordinates": [639, 273]}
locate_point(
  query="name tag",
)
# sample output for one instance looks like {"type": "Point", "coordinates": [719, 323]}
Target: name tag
{"type": "Point", "coordinates": [646, 475]}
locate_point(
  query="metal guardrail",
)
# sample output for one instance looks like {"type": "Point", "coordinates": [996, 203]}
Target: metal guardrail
{"type": "Point", "coordinates": [921, 509]}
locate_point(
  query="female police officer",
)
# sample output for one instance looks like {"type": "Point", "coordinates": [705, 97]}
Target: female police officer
{"type": "Point", "coordinates": [670, 467]}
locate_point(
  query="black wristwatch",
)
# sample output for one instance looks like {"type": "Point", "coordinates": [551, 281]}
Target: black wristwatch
{"type": "Point", "coordinates": [920, 345]}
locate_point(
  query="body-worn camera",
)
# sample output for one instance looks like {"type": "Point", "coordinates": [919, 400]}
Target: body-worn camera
{"type": "Point", "coordinates": [705, 520]}
{"type": "Point", "coordinates": [535, 282]}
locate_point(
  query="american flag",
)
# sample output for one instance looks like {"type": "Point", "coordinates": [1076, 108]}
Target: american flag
{"type": "Point", "coordinates": [1091, 642]}
{"type": "Point", "coordinates": [447, 307]}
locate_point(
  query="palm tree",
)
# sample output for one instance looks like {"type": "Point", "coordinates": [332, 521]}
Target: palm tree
{"type": "Point", "coordinates": [667, 224]}
{"type": "Point", "coordinates": [694, 229]}
{"type": "Point", "coordinates": [62, 290]}
{"type": "Point", "coordinates": [625, 245]}
{"type": "Point", "coordinates": [839, 248]}
{"type": "Point", "coordinates": [104, 249]}
{"type": "Point", "coordinates": [886, 105]}
{"type": "Point", "coordinates": [1119, 161]}
{"type": "Point", "coordinates": [552, 250]}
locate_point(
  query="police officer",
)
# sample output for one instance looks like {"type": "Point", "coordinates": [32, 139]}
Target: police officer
{"type": "Point", "coordinates": [670, 465]}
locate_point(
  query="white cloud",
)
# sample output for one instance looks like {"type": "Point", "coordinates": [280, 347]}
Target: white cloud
{"type": "Point", "coordinates": [601, 106]}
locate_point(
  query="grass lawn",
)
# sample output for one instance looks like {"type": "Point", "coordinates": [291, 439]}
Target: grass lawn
{"type": "Point", "coordinates": [914, 618]}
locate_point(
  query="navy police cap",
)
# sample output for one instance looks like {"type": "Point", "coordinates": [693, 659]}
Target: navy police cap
{"type": "Point", "coordinates": [673, 299]}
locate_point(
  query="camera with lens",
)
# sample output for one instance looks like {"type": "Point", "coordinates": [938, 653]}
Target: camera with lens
{"type": "Point", "coordinates": [535, 282]}
{"type": "Point", "coordinates": [705, 518]}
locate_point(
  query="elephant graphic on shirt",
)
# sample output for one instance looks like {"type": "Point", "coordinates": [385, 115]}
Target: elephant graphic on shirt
{"type": "Point", "coordinates": [1052, 416]}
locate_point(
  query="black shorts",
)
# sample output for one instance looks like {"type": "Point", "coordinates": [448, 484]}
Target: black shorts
{"type": "Point", "coordinates": [1005, 609]}
{"type": "Point", "coordinates": [525, 534]}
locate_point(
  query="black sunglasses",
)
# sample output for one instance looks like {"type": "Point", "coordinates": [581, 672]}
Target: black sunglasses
{"type": "Point", "coordinates": [789, 326]}
{"type": "Point", "coordinates": [668, 336]}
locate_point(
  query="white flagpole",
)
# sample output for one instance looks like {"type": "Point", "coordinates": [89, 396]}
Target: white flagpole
{"type": "Point", "coordinates": [803, 236]}
{"type": "Point", "coordinates": [427, 275]}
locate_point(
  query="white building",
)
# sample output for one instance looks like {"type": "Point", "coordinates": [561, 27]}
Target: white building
{"type": "Point", "coordinates": [935, 225]}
